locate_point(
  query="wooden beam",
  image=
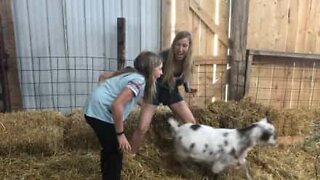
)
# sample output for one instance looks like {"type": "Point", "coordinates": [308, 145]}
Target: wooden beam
{"type": "Point", "coordinates": [206, 60]}
{"type": "Point", "coordinates": [10, 49]}
{"type": "Point", "coordinates": [302, 56]}
{"type": "Point", "coordinates": [239, 21]}
{"type": "Point", "coordinates": [223, 36]}
{"type": "Point", "coordinates": [121, 31]}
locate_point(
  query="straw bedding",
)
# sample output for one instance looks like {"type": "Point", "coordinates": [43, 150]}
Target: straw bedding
{"type": "Point", "coordinates": [50, 145]}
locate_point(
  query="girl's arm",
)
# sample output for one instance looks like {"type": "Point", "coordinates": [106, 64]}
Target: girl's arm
{"type": "Point", "coordinates": [117, 110]}
{"type": "Point", "coordinates": [104, 76]}
{"type": "Point", "coordinates": [187, 88]}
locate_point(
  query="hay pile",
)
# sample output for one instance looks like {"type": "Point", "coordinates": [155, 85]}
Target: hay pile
{"type": "Point", "coordinates": [42, 145]}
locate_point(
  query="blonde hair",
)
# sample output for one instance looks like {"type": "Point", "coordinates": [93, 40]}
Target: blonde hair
{"type": "Point", "coordinates": [145, 63]}
{"type": "Point", "coordinates": [168, 67]}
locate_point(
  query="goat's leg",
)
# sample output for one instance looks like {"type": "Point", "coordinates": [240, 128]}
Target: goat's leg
{"type": "Point", "coordinates": [215, 176]}
{"type": "Point", "coordinates": [246, 168]}
{"type": "Point", "coordinates": [216, 168]}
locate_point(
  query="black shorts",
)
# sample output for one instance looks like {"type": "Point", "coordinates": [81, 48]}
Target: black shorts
{"type": "Point", "coordinates": [166, 96]}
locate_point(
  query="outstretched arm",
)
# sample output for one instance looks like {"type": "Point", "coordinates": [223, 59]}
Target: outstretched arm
{"type": "Point", "coordinates": [104, 76]}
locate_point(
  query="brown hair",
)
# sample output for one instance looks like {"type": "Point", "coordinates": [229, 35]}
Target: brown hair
{"type": "Point", "coordinates": [168, 70]}
{"type": "Point", "coordinates": [145, 63]}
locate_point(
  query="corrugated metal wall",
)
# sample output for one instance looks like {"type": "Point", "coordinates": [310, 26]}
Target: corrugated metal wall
{"type": "Point", "coordinates": [62, 45]}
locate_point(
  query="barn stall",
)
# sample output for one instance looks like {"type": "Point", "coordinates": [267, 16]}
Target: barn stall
{"type": "Point", "coordinates": [224, 71]}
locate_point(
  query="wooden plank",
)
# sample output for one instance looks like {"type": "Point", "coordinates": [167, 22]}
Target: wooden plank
{"type": "Point", "coordinates": [182, 15]}
{"type": "Point", "coordinates": [317, 16]}
{"type": "Point", "coordinates": [166, 24]}
{"type": "Point", "coordinates": [196, 8]}
{"type": "Point", "coordinates": [292, 26]}
{"type": "Point", "coordinates": [195, 35]}
{"type": "Point", "coordinates": [312, 27]}
{"type": "Point", "coordinates": [253, 25]}
{"type": "Point", "coordinates": [207, 34]}
{"type": "Point", "coordinates": [302, 22]}
{"type": "Point", "coordinates": [203, 38]}
{"type": "Point", "coordinates": [269, 29]}
{"type": "Point", "coordinates": [258, 20]}
{"type": "Point", "coordinates": [281, 19]}
{"type": "Point", "coordinates": [201, 60]}
{"type": "Point", "coordinates": [298, 56]}
{"type": "Point", "coordinates": [224, 10]}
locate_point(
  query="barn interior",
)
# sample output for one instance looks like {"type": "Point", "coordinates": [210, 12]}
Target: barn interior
{"type": "Point", "coordinates": [251, 58]}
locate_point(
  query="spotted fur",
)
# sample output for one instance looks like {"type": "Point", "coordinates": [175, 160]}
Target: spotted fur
{"type": "Point", "coordinates": [219, 147]}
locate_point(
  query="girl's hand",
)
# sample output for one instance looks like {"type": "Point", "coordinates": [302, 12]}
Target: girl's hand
{"type": "Point", "coordinates": [124, 145]}
{"type": "Point", "coordinates": [193, 91]}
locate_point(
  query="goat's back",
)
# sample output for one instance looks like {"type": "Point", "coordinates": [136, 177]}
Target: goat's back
{"type": "Point", "coordinates": [203, 143]}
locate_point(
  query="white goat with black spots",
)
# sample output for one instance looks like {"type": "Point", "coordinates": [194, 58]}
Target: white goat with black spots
{"type": "Point", "coordinates": [219, 147]}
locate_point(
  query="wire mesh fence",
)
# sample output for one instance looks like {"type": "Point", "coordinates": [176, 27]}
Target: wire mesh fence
{"type": "Point", "coordinates": [60, 83]}
{"type": "Point", "coordinates": [211, 81]}
{"type": "Point", "coordinates": [63, 83]}
{"type": "Point", "coordinates": [285, 82]}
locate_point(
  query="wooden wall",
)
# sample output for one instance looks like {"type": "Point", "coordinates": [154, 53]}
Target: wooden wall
{"type": "Point", "coordinates": [283, 67]}
{"type": "Point", "coordinates": [207, 20]}
{"type": "Point", "coordinates": [284, 25]}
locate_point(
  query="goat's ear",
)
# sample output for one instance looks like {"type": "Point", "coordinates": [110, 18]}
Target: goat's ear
{"type": "Point", "coordinates": [264, 119]}
{"type": "Point", "coordinates": [268, 120]}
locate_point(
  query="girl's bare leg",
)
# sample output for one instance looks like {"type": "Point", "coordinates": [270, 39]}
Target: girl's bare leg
{"type": "Point", "coordinates": [181, 108]}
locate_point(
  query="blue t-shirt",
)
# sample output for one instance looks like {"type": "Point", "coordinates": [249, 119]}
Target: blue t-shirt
{"type": "Point", "coordinates": [99, 103]}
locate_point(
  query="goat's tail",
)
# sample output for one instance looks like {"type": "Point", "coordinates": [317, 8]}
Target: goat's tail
{"type": "Point", "coordinates": [174, 124]}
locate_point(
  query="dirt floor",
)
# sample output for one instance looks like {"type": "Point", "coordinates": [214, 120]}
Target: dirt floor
{"type": "Point", "coordinates": [50, 145]}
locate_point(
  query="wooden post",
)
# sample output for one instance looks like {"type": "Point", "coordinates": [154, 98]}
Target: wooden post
{"type": "Point", "coordinates": [12, 72]}
{"type": "Point", "coordinates": [121, 32]}
{"type": "Point", "coordinates": [238, 44]}
{"type": "Point", "coordinates": [4, 93]}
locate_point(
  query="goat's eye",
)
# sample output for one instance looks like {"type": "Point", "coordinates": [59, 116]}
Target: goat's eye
{"type": "Point", "coordinates": [266, 135]}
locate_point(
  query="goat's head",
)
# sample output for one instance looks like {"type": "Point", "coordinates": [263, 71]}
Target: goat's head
{"type": "Point", "coordinates": [267, 130]}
